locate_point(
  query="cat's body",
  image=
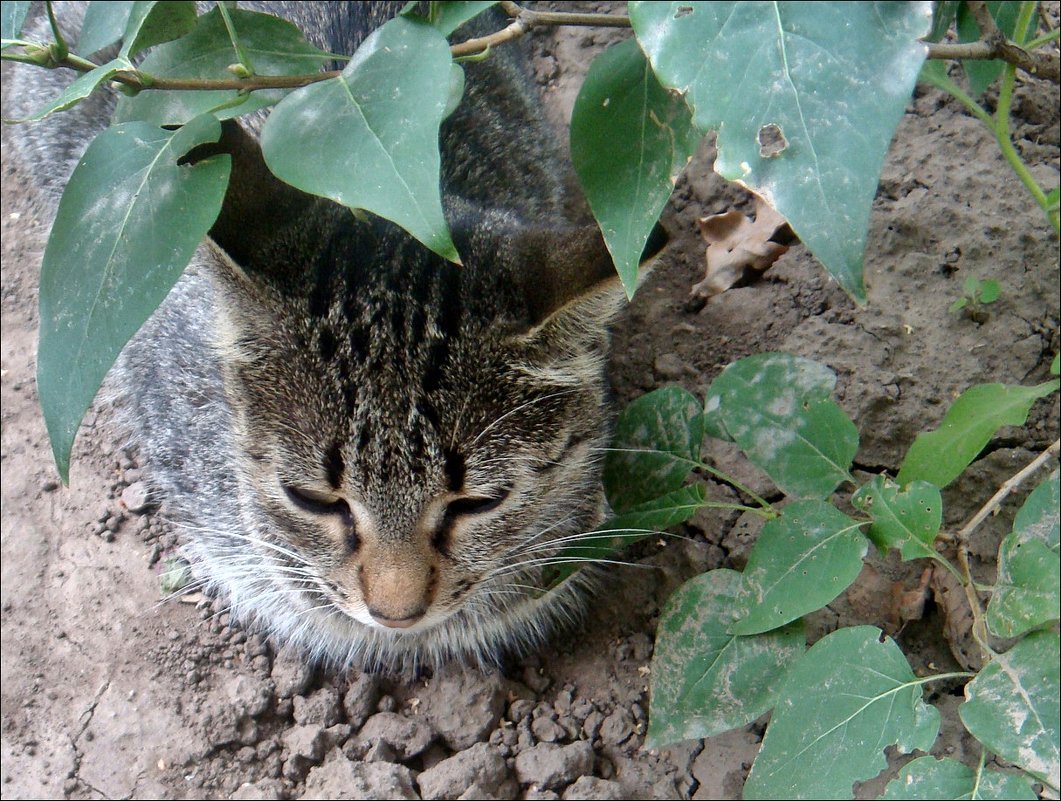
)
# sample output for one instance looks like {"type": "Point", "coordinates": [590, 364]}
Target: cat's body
{"type": "Point", "coordinates": [371, 450]}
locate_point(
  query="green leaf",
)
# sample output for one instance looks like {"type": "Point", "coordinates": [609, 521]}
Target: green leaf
{"type": "Point", "coordinates": [275, 46]}
{"type": "Point", "coordinates": [1037, 519]}
{"type": "Point", "coordinates": [81, 88]}
{"type": "Point", "coordinates": [12, 18]}
{"type": "Point", "coordinates": [851, 696]}
{"type": "Point", "coordinates": [104, 25]}
{"type": "Point", "coordinates": [940, 456]}
{"type": "Point", "coordinates": [776, 407]}
{"type": "Point", "coordinates": [656, 445]}
{"type": "Point", "coordinates": [942, 17]}
{"type": "Point", "coordinates": [128, 223]}
{"type": "Point", "coordinates": [1055, 365]}
{"type": "Point", "coordinates": [933, 779]}
{"type": "Point", "coordinates": [907, 519]}
{"type": "Point", "coordinates": [989, 291]}
{"type": "Point", "coordinates": [612, 536]}
{"type": "Point", "coordinates": [1027, 592]}
{"type": "Point", "coordinates": [630, 139]}
{"type": "Point", "coordinates": [151, 23]}
{"type": "Point", "coordinates": [959, 304]}
{"type": "Point", "coordinates": [971, 285]}
{"type": "Point", "coordinates": [449, 15]}
{"type": "Point", "coordinates": [705, 680]}
{"type": "Point", "coordinates": [829, 81]}
{"type": "Point", "coordinates": [982, 73]}
{"type": "Point", "coordinates": [374, 131]}
{"type": "Point", "coordinates": [1013, 706]}
{"type": "Point", "coordinates": [801, 561]}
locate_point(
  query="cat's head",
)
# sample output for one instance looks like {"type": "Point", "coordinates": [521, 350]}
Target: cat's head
{"type": "Point", "coordinates": [416, 439]}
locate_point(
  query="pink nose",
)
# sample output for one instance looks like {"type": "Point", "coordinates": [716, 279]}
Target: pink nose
{"type": "Point", "coordinates": [396, 623]}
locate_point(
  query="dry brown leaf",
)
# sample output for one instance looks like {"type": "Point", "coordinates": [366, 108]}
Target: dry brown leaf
{"type": "Point", "coordinates": [736, 244]}
{"type": "Point", "coordinates": [957, 618]}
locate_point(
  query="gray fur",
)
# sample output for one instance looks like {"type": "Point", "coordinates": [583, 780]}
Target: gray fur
{"type": "Point", "coordinates": [340, 352]}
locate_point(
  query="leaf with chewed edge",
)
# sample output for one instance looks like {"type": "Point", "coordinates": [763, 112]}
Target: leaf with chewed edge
{"type": "Point", "coordinates": [805, 98]}
{"type": "Point", "coordinates": [852, 695]}
{"type": "Point", "coordinates": [907, 519]}
{"type": "Point", "coordinates": [930, 779]}
{"type": "Point", "coordinates": [706, 680]}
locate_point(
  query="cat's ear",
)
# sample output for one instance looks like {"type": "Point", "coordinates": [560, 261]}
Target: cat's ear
{"type": "Point", "coordinates": [575, 293]}
{"type": "Point", "coordinates": [257, 204]}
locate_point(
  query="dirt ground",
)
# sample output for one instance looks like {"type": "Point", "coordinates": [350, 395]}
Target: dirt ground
{"type": "Point", "coordinates": [110, 692]}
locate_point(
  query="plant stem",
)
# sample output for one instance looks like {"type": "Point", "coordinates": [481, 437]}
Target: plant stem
{"type": "Point", "coordinates": [962, 539]}
{"type": "Point", "coordinates": [60, 49]}
{"type": "Point", "coordinates": [766, 506]}
{"type": "Point", "coordinates": [1008, 486]}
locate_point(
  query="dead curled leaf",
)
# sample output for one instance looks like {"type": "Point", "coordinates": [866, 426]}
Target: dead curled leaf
{"type": "Point", "coordinates": [736, 244]}
{"type": "Point", "coordinates": [957, 618]}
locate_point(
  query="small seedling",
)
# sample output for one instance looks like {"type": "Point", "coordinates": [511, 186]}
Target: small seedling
{"type": "Point", "coordinates": [976, 295]}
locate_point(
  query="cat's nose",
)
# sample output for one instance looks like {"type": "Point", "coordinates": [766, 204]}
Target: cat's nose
{"type": "Point", "coordinates": [396, 623]}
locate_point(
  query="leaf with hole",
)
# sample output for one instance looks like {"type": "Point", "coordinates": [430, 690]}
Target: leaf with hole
{"type": "Point", "coordinates": [374, 130]}
{"type": "Point", "coordinates": [776, 407]}
{"type": "Point", "coordinates": [830, 81]}
{"type": "Point", "coordinates": [940, 456]}
{"type": "Point", "coordinates": [706, 680]}
{"type": "Point", "coordinates": [931, 779]}
{"type": "Point", "coordinates": [656, 445]}
{"type": "Point", "coordinates": [852, 695]}
{"type": "Point", "coordinates": [127, 225]}
{"type": "Point", "coordinates": [907, 519]}
{"type": "Point", "coordinates": [801, 561]}
{"type": "Point", "coordinates": [1013, 706]}
{"type": "Point", "coordinates": [1027, 592]}
{"type": "Point", "coordinates": [274, 46]}
{"type": "Point", "coordinates": [630, 139]}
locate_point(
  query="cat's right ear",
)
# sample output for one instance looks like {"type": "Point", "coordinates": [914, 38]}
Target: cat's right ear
{"type": "Point", "coordinates": [257, 204]}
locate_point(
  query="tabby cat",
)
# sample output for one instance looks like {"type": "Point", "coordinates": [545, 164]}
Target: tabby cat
{"type": "Point", "coordinates": [374, 453]}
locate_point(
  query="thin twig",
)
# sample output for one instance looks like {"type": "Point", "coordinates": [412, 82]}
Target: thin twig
{"type": "Point", "coordinates": [962, 538]}
{"type": "Point", "coordinates": [1042, 65]}
{"type": "Point", "coordinates": [1008, 486]}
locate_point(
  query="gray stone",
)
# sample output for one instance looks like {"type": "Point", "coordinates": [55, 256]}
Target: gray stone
{"type": "Point", "coordinates": [553, 766]}
{"type": "Point", "coordinates": [261, 790]}
{"type": "Point", "coordinates": [320, 707]}
{"type": "Point", "coordinates": [342, 778]}
{"type": "Point", "coordinates": [479, 766]}
{"type": "Point", "coordinates": [136, 497]}
{"type": "Point", "coordinates": [361, 698]}
{"type": "Point", "coordinates": [464, 722]}
{"type": "Point", "coordinates": [290, 673]}
{"type": "Point", "coordinates": [407, 737]}
{"type": "Point", "coordinates": [590, 788]}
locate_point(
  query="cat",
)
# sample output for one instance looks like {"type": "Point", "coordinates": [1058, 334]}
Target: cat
{"type": "Point", "coordinates": [374, 453]}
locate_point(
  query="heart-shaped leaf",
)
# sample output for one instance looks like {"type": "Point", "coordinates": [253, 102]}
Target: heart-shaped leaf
{"type": "Point", "coordinates": [374, 130]}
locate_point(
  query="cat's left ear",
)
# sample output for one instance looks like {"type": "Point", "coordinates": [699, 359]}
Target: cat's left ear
{"type": "Point", "coordinates": [575, 293]}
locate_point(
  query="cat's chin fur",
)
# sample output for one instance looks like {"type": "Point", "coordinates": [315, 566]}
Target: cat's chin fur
{"type": "Point", "coordinates": [325, 635]}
